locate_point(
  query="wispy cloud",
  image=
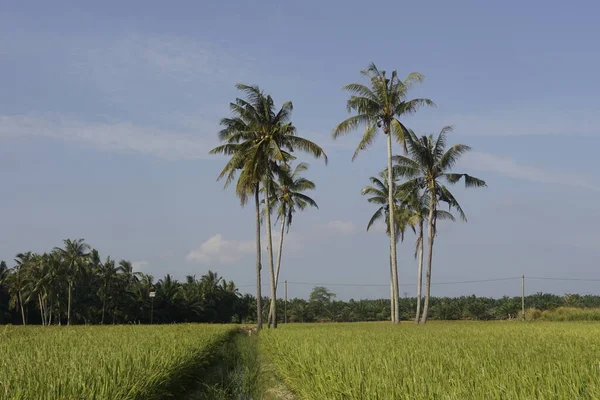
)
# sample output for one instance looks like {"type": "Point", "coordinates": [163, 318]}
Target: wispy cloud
{"type": "Point", "coordinates": [120, 136]}
{"type": "Point", "coordinates": [342, 227]}
{"type": "Point", "coordinates": [139, 61]}
{"type": "Point", "coordinates": [219, 250]}
{"type": "Point", "coordinates": [140, 266]}
{"type": "Point", "coordinates": [520, 122]}
{"type": "Point", "coordinates": [510, 168]}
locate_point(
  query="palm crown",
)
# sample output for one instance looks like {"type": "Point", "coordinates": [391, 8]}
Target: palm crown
{"type": "Point", "coordinates": [259, 140]}
{"type": "Point", "coordinates": [378, 193]}
{"type": "Point", "coordinates": [288, 193]}
{"type": "Point", "coordinates": [380, 106]}
{"type": "Point", "coordinates": [428, 166]}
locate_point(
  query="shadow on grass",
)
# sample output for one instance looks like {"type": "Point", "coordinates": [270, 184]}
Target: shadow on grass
{"type": "Point", "coordinates": [234, 375]}
{"type": "Point", "coordinates": [240, 373]}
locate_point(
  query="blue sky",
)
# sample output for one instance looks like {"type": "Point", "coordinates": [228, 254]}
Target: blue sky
{"type": "Point", "coordinates": [108, 111]}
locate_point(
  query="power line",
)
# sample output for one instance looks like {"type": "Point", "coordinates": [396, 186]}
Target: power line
{"type": "Point", "coordinates": [562, 279]}
{"type": "Point", "coordinates": [387, 284]}
{"type": "Point", "coordinates": [432, 283]}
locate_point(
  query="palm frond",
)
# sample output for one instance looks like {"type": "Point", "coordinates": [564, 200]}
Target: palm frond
{"type": "Point", "coordinates": [447, 197]}
{"type": "Point", "coordinates": [361, 90]}
{"type": "Point", "coordinates": [367, 139]}
{"type": "Point", "coordinates": [412, 78]}
{"type": "Point", "coordinates": [307, 146]}
{"type": "Point", "coordinates": [470, 181]}
{"type": "Point", "coordinates": [399, 131]}
{"type": "Point", "coordinates": [444, 215]}
{"type": "Point", "coordinates": [440, 143]}
{"type": "Point", "coordinates": [376, 217]}
{"type": "Point", "coordinates": [452, 155]}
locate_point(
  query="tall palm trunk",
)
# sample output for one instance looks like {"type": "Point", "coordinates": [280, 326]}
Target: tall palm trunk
{"type": "Point", "coordinates": [392, 227]}
{"type": "Point", "coordinates": [392, 306]}
{"type": "Point", "coordinates": [419, 271]}
{"type": "Point", "coordinates": [430, 237]}
{"type": "Point", "coordinates": [41, 309]}
{"type": "Point", "coordinates": [20, 300]}
{"type": "Point", "coordinates": [69, 304]}
{"type": "Point", "coordinates": [278, 258]}
{"type": "Point", "coordinates": [103, 303]}
{"type": "Point", "coordinates": [103, 310]}
{"type": "Point", "coordinates": [273, 307]}
{"type": "Point", "coordinates": [258, 266]}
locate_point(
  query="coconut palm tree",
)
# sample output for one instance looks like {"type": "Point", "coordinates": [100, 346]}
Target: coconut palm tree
{"type": "Point", "coordinates": [36, 283]}
{"type": "Point", "coordinates": [107, 274]}
{"type": "Point", "coordinates": [380, 107]}
{"type": "Point", "coordinates": [126, 272]}
{"type": "Point", "coordinates": [378, 193]}
{"type": "Point", "coordinates": [75, 256]}
{"type": "Point", "coordinates": [287, 199]}
{"type": "Point", "coordinates": [418, 203]}
{"type": "Point", "coordinates": [56, 284]}
{"type": "Point", "coordinates": [427, 166]}
{"type": "Point", "coordinates": [260, 142]}
{"type": "Point", "coordinates": [17, 282]}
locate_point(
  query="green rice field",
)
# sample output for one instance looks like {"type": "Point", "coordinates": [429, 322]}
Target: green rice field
{"type": "Point", "coordinates": [104, 362]}
{"type": "Point", "coordinates": [441, 360]}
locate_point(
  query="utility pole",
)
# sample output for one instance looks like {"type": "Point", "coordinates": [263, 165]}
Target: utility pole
{"type": "Point", "coordinates": [152, 294]}
{"type": "Point", "coordinates": [285, 305]}
{"type": "Point", "coordinates": [523, 297]}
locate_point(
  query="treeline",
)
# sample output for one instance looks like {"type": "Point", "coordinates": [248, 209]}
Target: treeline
{"type": "Point", "coordinates": [72, 284]}
{"type": "Point", "coordinates": [322, 307]}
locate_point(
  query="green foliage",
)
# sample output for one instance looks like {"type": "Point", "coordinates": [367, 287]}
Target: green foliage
{"type": "Point", "coordinates": [380, 106]}
{"type": "Point", "coordinates": [564, 314]}
{"type": "Point", "coordinates": [38, 288]}
{"type": "Point", "coordinates": [116, 362]}
{"type": "Point", "coordinates": [458, 360]}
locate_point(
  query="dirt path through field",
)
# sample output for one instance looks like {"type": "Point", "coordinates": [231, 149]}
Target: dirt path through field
{"type": "Point", "coordinates": [241, 373]}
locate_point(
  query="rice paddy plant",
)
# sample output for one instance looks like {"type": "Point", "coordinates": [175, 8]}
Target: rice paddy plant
{"type": "Point", "coordinates": [105, 362]}
{"type": "Point", "coordinates": [441, 360]}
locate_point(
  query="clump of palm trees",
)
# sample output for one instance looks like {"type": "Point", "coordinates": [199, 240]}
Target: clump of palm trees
{"type": "Point", "coordinates": [424, 168]}
{"type": "Point", "coordinates": [72, 285]}
{"type": "Point", "coordinates": [261, 142]}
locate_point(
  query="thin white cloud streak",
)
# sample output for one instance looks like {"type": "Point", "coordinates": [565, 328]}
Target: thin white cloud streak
{"type": "Point", "coordinates": [219, 250]}
{"type": "Point", "coordinates": [508, 167]}
{"type": "Point", "coordinates": [342, 227]}
{"type": "Point", "coordinates": [114, 67]}
{"type": "Point", "coordinates": [140, 266]}
{"type": "Point", "coordinates": [578, 122]}
{"type": "Point", "coordinates": [121, 136]}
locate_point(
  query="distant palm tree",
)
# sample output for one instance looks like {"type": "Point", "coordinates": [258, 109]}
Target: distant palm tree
{"type": "Point", "coordinates": [37, 282]}
{"type": "Point", "coordinates": [75, 256]}
{"type": "Point", "coordinates": [229, 287]}
{"type": "Point", "coordinates": [107, 274]}
{"type": "Point", "coordinates": [289, 198]}
{"type": "Point", "coordinates": [379, 107]}
{"type": "Point", "coordinates": [3, 272]}
{"type": "Point", "coordinates": [378, 193]}
{"type": "Point", "coordinates": [127, 273]}
{"type": "Point", "coordinates": [169, 291]}
{"type": "Point", "coordinates": [427, 165]}
{"type": "Point", "coordinates": [260, 141]}
{"type": "Point", "coordinates": [210, 281]}
{"type": "Point", "coordinates": [18, 282]}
